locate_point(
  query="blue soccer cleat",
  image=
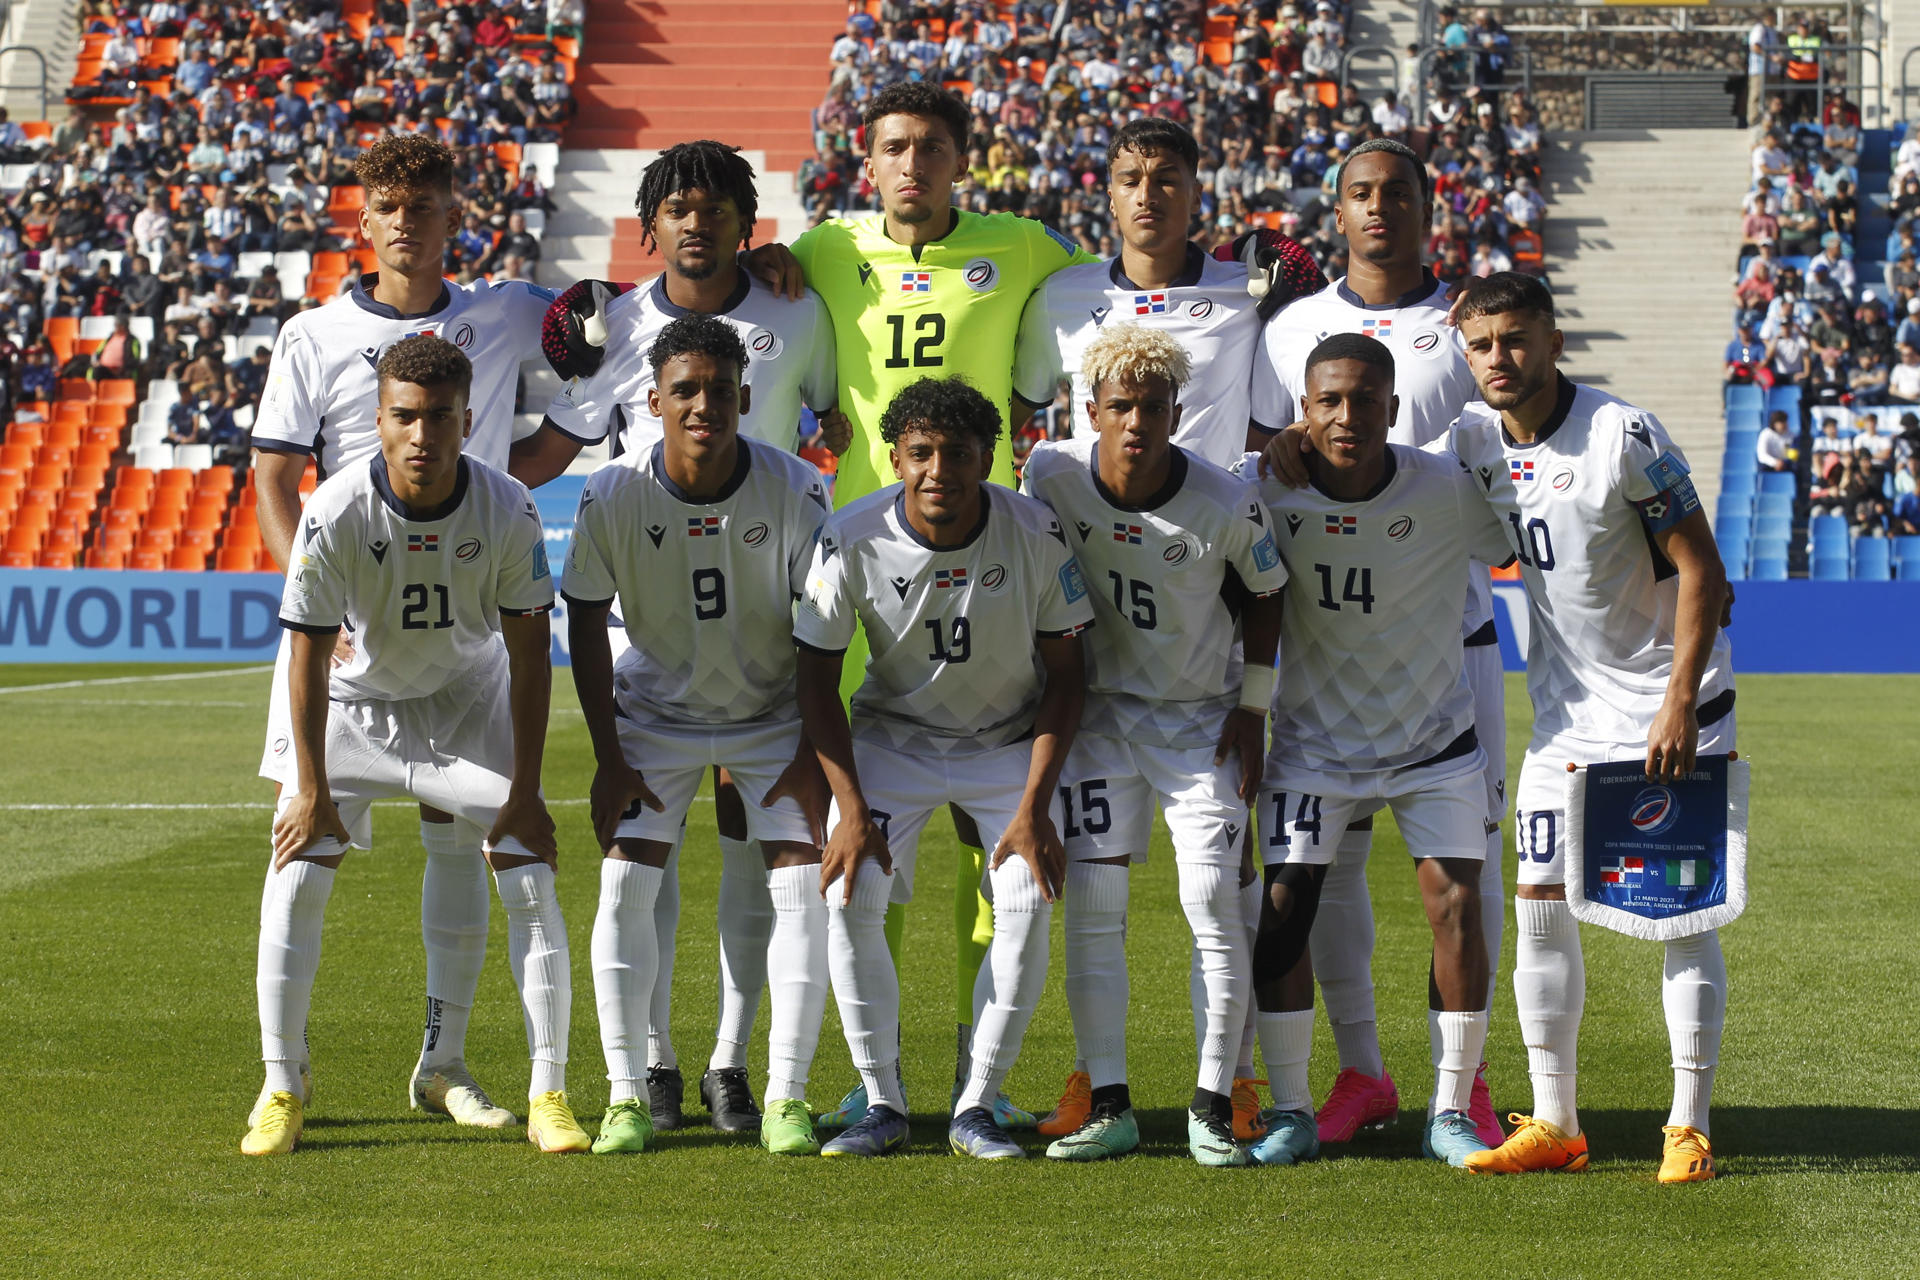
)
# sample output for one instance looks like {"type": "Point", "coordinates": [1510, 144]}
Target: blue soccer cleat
{"type": "Point", "coordinates": [1292, 1137]}
{"type": "Point", "coordinates": [850, 1111]}
{"type": "Point", "coordinates": [881, 1132]}
{"type": "Point", "coordinates": [975, 1133]}
{"type": "Point", "coordinates": [1452, 1136]}
{"type": "Point", "coordinates": [1005, 1114]}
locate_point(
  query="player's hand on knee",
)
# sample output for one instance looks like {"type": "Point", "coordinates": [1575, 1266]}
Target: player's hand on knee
{"type": "Point", "coordinates": [1285, 457]}
{"type": "Point", "coordinates": [836, 432]}
{"type": "Point", "coordinates": [524, 818]}
{"type": "Point", "coordinates": [1672, 742]}
{"type": "Point", "coordinates": [618, 791]}
{"type": "Point", "coordinates": [776, 265]}
{"type": "Point", "coordinates": [854, 840]}
{"type": "Point", "coordinates": [803, 783]}
{"type": "Point", "coordinates": [1033, 837]}
{"type": "Point", "coordinates": [305, 821]}
{"type": "Point", "coordinates": [573, 334]}
{"type": "Point", "coordinates": [1244, 735]}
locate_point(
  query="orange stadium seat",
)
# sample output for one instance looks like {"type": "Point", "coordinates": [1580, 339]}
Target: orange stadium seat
{"type": "Point", "coordinates": [115, 390]}
{"type": "Point", "coordinates": [29, 434]}
{"type": "Point", "coordinates": [175, 478]}
{"type": "Point", "coordinates": [201, 540]}
{"type": "Point", "coordinates": [17, 457]}
{"type": "Point", "coordinates": [75, 389]}
{"type": "Point", "coordinates": [124, 519]}
{"type": "Point", "coordinates": [47, 476]}
{"type": "Point", "coordinates": [145, 558]}
{"type": "Point", "coordinates": [16, 559]}
{"type": "Point", "coordinates": [114, 539]}
{"type": "Point", "coordinates": [234, 560]}
{"type": "Point", "coordinates": [57, 558]}
{"type": "Point", "coordinates": [188, 558]}
{"type": "Point", "coordinates": [104, 558]}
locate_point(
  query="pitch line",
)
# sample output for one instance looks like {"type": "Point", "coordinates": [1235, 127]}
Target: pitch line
{"type": "Point", "coordinates": [238, 804]}
{"type": "Point", "coordinates": [107, 680]}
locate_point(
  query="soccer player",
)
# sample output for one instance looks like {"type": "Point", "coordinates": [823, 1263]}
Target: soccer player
{"type": "Point", "coordinates": [1373, 713]}
{"type": "Point", "coordinates": [1626, 661]}
{"type": "Point", "coordinates": [973, 690]}
{"type": "Point", "coordinates": [924, 289]}
{"type": "Point", "coordinates": [715, 534]}
{"type": "Point", "coordinates": [438, 564]}
{"type": "Point", "coordinates": [696, 203]}
{"type": "Point", "coordinates": [1161, 280]}
{"type": "Point", "coordinates": [320, 403]}
{"type": "Point", "coordinates": [1176, 548]}
{"type": "Point", "coordinates": [1384, 210]}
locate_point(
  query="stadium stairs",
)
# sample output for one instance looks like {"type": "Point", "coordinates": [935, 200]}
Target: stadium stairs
{"type": "Point", "coordinates": [50, 26]}
{"type": "Point", "coordinates": [1642, 251]}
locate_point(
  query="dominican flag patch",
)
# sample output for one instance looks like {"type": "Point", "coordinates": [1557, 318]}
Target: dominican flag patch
{"type": "Point", "coordinates": [1128, 533]}
{"type": "Point", "coordinates": [1623, 871]}
{"type": "Point", "coordinates": [1520, 472]}
{"type": "Point", "coordinates": [1343, 524]}
{"type": "Point", "coordinates": [949, 577]}
{"type": "Point", "coordinates": [916, 282]}
{"type": "Point", "coordinates": [423, 542]}
{"type": "Point", "coordinates": [1149, 304]}
{"type": "Point", "coordinates": [703, 526]}
{"type": "Point", "coordinates": [1381, 329]}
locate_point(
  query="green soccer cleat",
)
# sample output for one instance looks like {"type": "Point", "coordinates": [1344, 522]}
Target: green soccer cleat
{"type": "Point", "coordinates": [786, 1129]}
{"type": "Point", "coordinates": [1211, 1142]}
{"type": "Point", "coordinates": [625, 1129]}
{"type": "Point", "coordinates": [1106, 1134]}
{"type": "Point", "coordinates": [1005, 1114]}
{"type": "Point", "coordinates": [1291, 1138]}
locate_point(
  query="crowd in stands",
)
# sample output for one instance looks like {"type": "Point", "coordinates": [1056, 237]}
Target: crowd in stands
{"type": "Point", "coordinates": [1826, 317]}
{"type": "Point", "coordinates": [200, 192]}
{"type": "Point", "coordinates": [1259, 84]}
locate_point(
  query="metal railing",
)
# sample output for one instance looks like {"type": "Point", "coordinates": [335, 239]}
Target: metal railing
{"type": "Point", "coordinates": [1821, 84]}
{"type": "Point", "coordinates": [39, 57]}
{"type": "Point", "coordinates": [1371, 50]}
{"type": "Point", "coordinates": [1424, 62]}
{"type": "Point", "coordinates": [1907, 92]}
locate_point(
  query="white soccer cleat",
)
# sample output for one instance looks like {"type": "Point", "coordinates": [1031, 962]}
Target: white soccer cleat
{"type": "Point", "coordinates": [452, 1091]}
{"type": "Point", "coordinates": [266, 1095]}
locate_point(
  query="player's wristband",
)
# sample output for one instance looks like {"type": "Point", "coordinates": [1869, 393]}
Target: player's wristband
{"type": "Point", "coordinates": [1256, 688]}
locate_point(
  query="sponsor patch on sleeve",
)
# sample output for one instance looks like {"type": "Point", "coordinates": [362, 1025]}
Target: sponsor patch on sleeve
{"type": "Point", "coordinates": [540, 569]}
{"type": "Point", "coordinates": [1666, 471]}
{"type": "Point", "coordinates": [1265, 556]}
{"type": "Point", "coordinates": [1670, 506]}
{"type": "Point", "coordinates": [819, 597]}
{"type": "Point", "coordinates": [1067, 245]}
{"type": "Point", "coordinates": [1072, 585]}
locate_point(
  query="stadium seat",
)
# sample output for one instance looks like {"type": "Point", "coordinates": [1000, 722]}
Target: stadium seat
{"type": "Point", "coordinates": [235, 559]}
{"type": "Point", "coordinates": [1740, 484]}
{"type": "Point", "coordinates": [156, 457]}
{"type": "Point", "coordinates": [1779, 482]}
{"type": "Point", "coordinates": [1906, 549]}
{"type": "Point", "coordinates": [1774, 504]}
{"type": "Point", "coordinates": [106, 558]}
{"type": "Point", "coordinates": [147, 559]}
{"type": "Point", "coordinates": [1726, 528]}
{"type": "Point", "coordinates": [1829, 569]}
{"type": "Point", "coordinates": [1769, 570]}
{"type": "Point", "coordinates": [1872, 559]}
{"type": "Point", "coordinates": [1746, 397]}
{"type": "Point", "coordinates": [1734, 551]}
{"type": "Point", "coordinates": [1775, 528]}
{"type": "Point", "coordinates": [194, 457]}
{"type": "Point", "coordinates": [16, 559]}
{"type": "Point", "coordinates": [163, 539]}
{"type": "Point", "coordinates": [187, 558]}
{"type": "Point", "coordinates": [1785, 398]}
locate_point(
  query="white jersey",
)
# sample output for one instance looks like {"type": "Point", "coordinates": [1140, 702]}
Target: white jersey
{"type": "Point", "coordinates": [1370, 663]}
{"type": "Point", "coordinates": [321, 394]}
{"type": "Point", "coordinates": [422, 591]}
{"type": "Point", "coordinates": [790, 363]}
{"type": "Point", "coordinates": [952, 667]}
{"type": "Point", "coordinates": [713, 581]}
{"type": "Point", "coordinates": [1163, 666]}
{"type": "Point", "coordinates": [1207, 310]}
{"type": "Point", "coordinates": [1580, 506]}
{"type": "Point", "coordinates": [1430, 375]}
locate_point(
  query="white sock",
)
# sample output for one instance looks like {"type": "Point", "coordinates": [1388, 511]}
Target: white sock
{"type": "Point", "coordinates": [1550, 991]}
{"type": "Point", "coordinates": [1210, 896]}
{"type": "Point", "coordinates": [1694, 991]}
{"type": "Point", "coordinates": [666, 924]}
{"type": "Point", "coordinates": [1018, 957]}
{"type": "Point", "coordinates": [865, 984]}
{"type": "Point", "coordinates": [625, 957]}
{"type": "Point", "coordinates": [1286, 1042]}
{"type": "Point", "coordinates": [797, 965]}
{"type": "Point", "coordinates": [453, 926]}
{"type": "Point", "coordinates": [293, 907]}
{"type": "Point", "coordinates": [1252, 895]}
{"type": "Point", "coordinates": [1096, 953]}
{"type": "Point", "coordinates": [1461, 1037]}
{"type": "Point", "coordinates": [537, 950]}
{"type": "Point", "coordinates": [1493, 910]}
{"type": "Point", "coordinates": [746, 926]}
{"type": "Point", "coordinates": [1341, 945]}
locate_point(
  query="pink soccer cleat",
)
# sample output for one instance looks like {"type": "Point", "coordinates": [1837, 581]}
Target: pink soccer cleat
{"type": "Point", "coordinates": [1355, 1102]}
{"type": "Point", "coordinates": [1480, 1111]}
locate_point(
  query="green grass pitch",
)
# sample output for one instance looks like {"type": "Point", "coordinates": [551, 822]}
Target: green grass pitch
{"type": "Point", "coordinates": [128, 1043]}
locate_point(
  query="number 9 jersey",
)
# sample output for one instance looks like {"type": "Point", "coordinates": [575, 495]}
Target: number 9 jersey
{"type": "Point", "coordinates": [422, 591]}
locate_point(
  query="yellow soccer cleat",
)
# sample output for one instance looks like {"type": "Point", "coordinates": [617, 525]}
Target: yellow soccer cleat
{"type": "Point", "coordinates": [551, 1126]}
{"type": "Point", "coordinates": [1534, 1147]}
{"type": "Point", "coordinates": [275, 1126]}
{"type": "Point", "coordinates": [1687, 1157]}
{"type": "Point", "coordinates": [1247, 1124]}
{"type": "Point", "coordinates": [266, 1096]}
{"type": "Point", "coordinates": [1076, 1103]}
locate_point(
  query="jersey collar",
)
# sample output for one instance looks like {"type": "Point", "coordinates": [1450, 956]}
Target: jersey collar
{"type": "Point", "coordinates": [742, 464]}
{"type": "Point", "coordinates": [377, 466]}
{"type": "Point", "coordinates": [906, 525]}
{"type": "Point", "coordinates": [741, 288]}
{"type": "Point", "coordinates": [1176, 476]}
{"type": "Point", "coordinates": [362, 295]}
{"type": "Point", "coordinates": [1386, 478]}
{"type": "Point", "coordinates": [953, 225]}
{"type": "Point", "coordinates": [1562, 406]}
{"type": "Point", "coordinates": [1420, 294]}
{"type": "Point", "coordinates": [1188, 277]}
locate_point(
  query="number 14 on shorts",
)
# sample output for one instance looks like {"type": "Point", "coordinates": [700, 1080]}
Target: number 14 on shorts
{"type": "Point", "coordinates": [1305, 823]}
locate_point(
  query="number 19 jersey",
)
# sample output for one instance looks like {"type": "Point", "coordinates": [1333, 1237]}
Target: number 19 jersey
{"type": "Point", "coordinates": [1163, 665]}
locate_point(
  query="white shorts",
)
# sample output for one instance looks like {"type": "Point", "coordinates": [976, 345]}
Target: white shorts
{"type": "Point", "coordinates": [1540, 811]}
{"type": "Point", "coordinates": [276, 755]}
{"type": "Point", "coordinates": [673, 758]}
{"type": "Point", "coordinates": [1110, 786]}
{"type": "Point", "coordinates": [1487, 679]}
{"type": "Point", "coordinates": [1441, 809]}
{"type": "Point", "coordinates": [903, 790]}
{"type": "Point", "coordinates": [452, 749]}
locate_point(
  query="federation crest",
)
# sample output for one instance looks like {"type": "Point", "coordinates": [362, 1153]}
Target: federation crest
{"type": "Point", "coordinates": [1200, 309]}
{"type": "Point", "coordinates": [1653, 811]}
{"type": "Point", "coordinates": [994, 578]}
{"type": "Point", "coordinates": [1426, 343]}
{"type": "Point", "coordinates": [764, 344]}
{"type": "Point", "coordinates": [756, 534]}
{"type": "Point", "coordinates": [1400, 528]}
{"type": "Point", "coordinates": [467, 551]}
{"type": "Point", "coordinates": [1562, 480]}
{"type": "Point", "coordinates": [1177, 552]}
{"type": "Point", "coordinates": [462, 336]}
{"type": "Point", "coordinates": [981, 275]}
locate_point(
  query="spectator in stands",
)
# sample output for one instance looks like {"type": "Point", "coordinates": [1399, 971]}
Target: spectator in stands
{"type": "Point", "coordinates": [1903, 380]}
{"type": "Point", "coordinates": [1908, 334]}
{"type": "Point", "coordinates": [249, 376]}
{"type": "Point", "coordinates": [1774, 448]}
{"type": "Point", "coordinates": [39, 379]}
{"type": "Point", "coordinates": [167, 355]}
{"type": "Point", "coordinates": [264, 297]}
{"type": "Point", "coordinates": [1763, 60]}
{"type": "Point", "coordinates": [1786, 305]}
{"type": "Point", "coordinates": [1788, 355]}
{"type": "Point", "coordinates": [1842, 210]}
{"type": "Point", "coordinates": [118, 355]}
{"type": "Point", "coordinates": [1771, 159]}
{"type": "Point", "coordinates": [1827, 377]}
{"type": "Point", "coordinates": [1746, 356]}
{"type": "Point", "coordinates": [1390, 118]}
{"type": "Point", "coordinates": [1867, 376]}
{"type": "Point", "coordinates": [1802, 222]}
{"type": "Point", "coordinates": [1754, 294]}
{"type": "Point", "coordinates": [517, 243]}
{"type": "Point", "coordinates": [1758, 226]}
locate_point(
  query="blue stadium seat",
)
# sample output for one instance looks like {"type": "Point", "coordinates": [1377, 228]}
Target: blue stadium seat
{"type": "Point", "coordinates": [1740, 483]}
{"type": "Point", "coordinates": [1829, 569]}
{"type": "Point", "coordinates": [1821, 528]}
{"type": "Point", "coordinates": [1769, 570]}
{"type": "Point", "coordinates": [1872, 558]}
{"type": "Point", "coordinates": [1744, 395]}
{"type": "Point", "coordinates": [1739, 462]}
{"type": "Point", "coordinates": [1742, 442]}
{"type": "Point", "coordinates": [1906, 549]}
{"type": "Point", "coordinates": [1772, 503]}
{"type": "Point", "coordinates": [1876, 150]}
{"type": "Point", "coordinates": [1785, 398]}
{"type": "Point", "coordinates": [1778, 528]}
{"type": "Point", "coordinates": [1728, 529]}
{"type": "Point", "coordinates": [1779, 482]}
{"type": "Point", "coordinates": [1743, 419]}
{"type": "Point", "coordinates": [1734, 554]}
{"type": "Point", "coordinates": [1798, 261]}
{"type": "Point", "coordinates": [1736, 507]}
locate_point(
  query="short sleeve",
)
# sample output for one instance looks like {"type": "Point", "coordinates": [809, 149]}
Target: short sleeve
{"type": "Point", "coordinates": [289, 421]}
{"type": "Point", "coordinates": [1048, 251]}
{"type": "Point", "coordinates": [808, 513]}
{"type": "Point", "coordinates": [1065, 609]}
{"type": "Point", "coordinates": [527, 310]}
{"type": "Point", "coordinates": [1270, 402]}
{"type": "Point", "coordinates": [1654, 475]}
{"type": "Point", "coordinates": [523, 584]}
{"type": "Point", "coordinates": [806, 250]}
{"type": "Point", "coordinates": [826, 618]}
{"type": "Point", "coordinates": [1485, 535]}
{"type": "Point", "coordinates": [589, 571]}
{"type": "Point", "coordinates": [314, 598]}
{"type": "Point", "coordinates": [1250, 548]}
{"type": "Point", "coordinates": [820, 383]}
{"type": "Point", "coordinates": [1036, 354]}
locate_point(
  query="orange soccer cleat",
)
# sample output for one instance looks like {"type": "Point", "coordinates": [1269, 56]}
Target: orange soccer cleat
{"type": "Point", "coordinates": [1076, 1103]}
{"type": "Point", "coordinates": [1687, 1157]}
{"type": "Point", "coordinates": [1535, 1147]}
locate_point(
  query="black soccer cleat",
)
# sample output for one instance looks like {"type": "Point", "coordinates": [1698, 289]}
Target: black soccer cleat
{"type": "Point", "coordinates": [666, 1097]}
{"type": "Point", "coordinates": [729, 1100]}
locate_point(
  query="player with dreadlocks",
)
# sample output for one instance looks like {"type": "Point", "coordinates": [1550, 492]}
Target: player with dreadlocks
{"type": "Point", "coordinates": [696, 205]}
